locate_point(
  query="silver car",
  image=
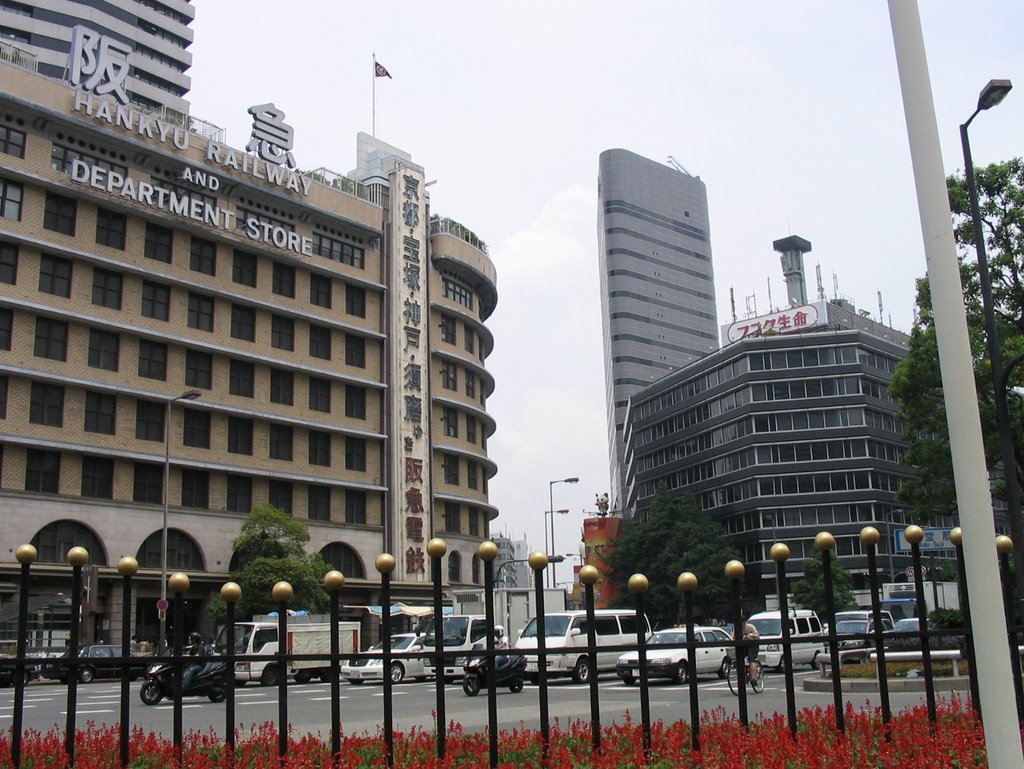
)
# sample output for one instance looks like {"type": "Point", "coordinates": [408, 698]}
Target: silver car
{"type": "Point", "coordinates": [667, 656]}
{"type": "Point", "coordinates": [366, 669]}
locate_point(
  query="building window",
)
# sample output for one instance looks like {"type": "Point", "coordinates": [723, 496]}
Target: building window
{"type": "Point", "coordinates": [106, 288]}
{"type": "Point", "coordinates": [12, 141]}
{"type": "Point", "coordinates": [3, 408]}
{"type": "Point", "coordinates": [159, 242]}
{"type": "Point", "coordinates": [203, 256]}
{"type": "Point", "coordinates": [196, 428]}
{"type": "Point", "coordinates": [8, 263]}
{"type": "Point", "coordinates": [355, 506]}
{"type": "Point", "coordinates": [318, 506]}
{"type": "Point", "coordinates": [149, 483]}
{"type": "Point", "coordinates": [281, 495]}
{"type": "Point", "coordinates": [198, 369]}
{"type": "Point", "coordinates": [100, 413]}
{"type": "Point", "coordinates": [471, 428]}
{"type": "Point", "coordinates": [240, 435]}
{"type": "Point", "coordinates": [152, 360]}
{"type": "Point", "coordinates": [59, 213]}
{"type": "Point", "coordinates": [282, 332]}
{"type": "Point", "coordinates": [474, 525]}
{"type": "Point", "coordinates": [243, 323]}
{"type": "Point", "coordinates": [11, 194]}
{"type": "Point", "coordinates": [282, 386]}
{"type": "Point", "coordinates": [97, 477]}
{"type": "Point", "coordinates": [449, 376]}
{"type": "Point", "coordinates": [284, 279]}
{"type": "Point", "coordinates": [320, 394]}
{"type": "Point", "coordinates": [111, 228]}
{"type": "Point", "coordinates": [242, 379]}
{"type": "Point", "coordinates": [104, 349]}
{"type": "Point", "coordinates": [457, 293]}
{"type": "Point", "coordinates": [51, 339]}
{"type": "Point", "coordinates": [470, 384]}
{"type": "Point", "coordinates": [470, 337]}
{"type": "Point", "coordinates": [338, 250]}
{"type": "Point", "coordinates": [450, 463]}
{"type": "Point", "coordinates": [239, 494]}
{"type": "Point", "coordinates": [281, 442]}
{"type": "Point", "coordinates": [355, 351]}
{"type": "Point", "coordinates": [448, 329]}
{"type": "Point", "coordinates": [319, 342]}
{"type": "Point", "coordinates": [355, 401]}
{"type": "Point", "coordinates": [156, 300]}
{"type": "Point", "coordinates": [450, 421]}
{"type": "Point", "coordinates": [6, 329]}
{"type": "Point", "coordinates": [195, 488]}
{"type": "Point", "coordinates": [55, 275]}
{"type": "Point", "coordinates": [454, 567]}
{"type": "Point", "coordinates": [355, 301]}
{"type": "Point", "coordinates": [451, 517]}
{"type": "Point", "coordinates": [200, 311]}
{"type": "Point", "coordinates": [355, 453]}
{"type": "Point", "coordinates": [42, 471]}
{"type": "Point", "coordinates": [243, 268]}
{"type": "Point", "coordinates": [471, 474]}
{"type": "Point", "coordinates": [149, 420]}
{"type": "Point", "coordinates": [46, 406]}
{"type": "Point", "coordinates": [320, 290]}
{"type": "Point", "coordinates": [319, 448]}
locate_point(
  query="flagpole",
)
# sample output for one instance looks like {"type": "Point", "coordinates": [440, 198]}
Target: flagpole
{"type": "Point", "coordinates": [373, 108]}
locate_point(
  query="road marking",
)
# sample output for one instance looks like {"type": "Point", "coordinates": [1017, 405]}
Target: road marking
{"type": "Point", "coordinates": [319, 699]}
{"type": "Point", "coordinates": [64, 712]}
{"type": "Point", "coordinates": [11, 707]}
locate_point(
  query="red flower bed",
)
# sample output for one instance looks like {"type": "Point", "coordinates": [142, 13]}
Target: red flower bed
{"type": "Point", "coordinates": [957, 741]}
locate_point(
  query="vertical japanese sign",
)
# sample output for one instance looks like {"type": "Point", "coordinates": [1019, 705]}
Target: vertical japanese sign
{"type": "Point", "coordinates": [410, 361]}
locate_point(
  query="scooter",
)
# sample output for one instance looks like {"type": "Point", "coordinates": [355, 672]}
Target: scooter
{"type": "Point", "coordinates": [511, 672]}
{"type": "Point", "coordinates": [211, 681]}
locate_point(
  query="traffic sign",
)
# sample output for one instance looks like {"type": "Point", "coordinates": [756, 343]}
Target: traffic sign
{"type": "Point", "coordinates": [935, 538]}
{"type": "Point", "coordinates": [162, 605]}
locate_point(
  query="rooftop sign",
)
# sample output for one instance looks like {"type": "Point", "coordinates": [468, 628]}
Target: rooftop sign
{"type": "Point", "coordinates": [781, 322]}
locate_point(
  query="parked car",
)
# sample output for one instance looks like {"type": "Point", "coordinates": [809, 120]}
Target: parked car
{"type": "Point", "coordinates": [366, 669]}
{"type": "Point", "coordinates": [850, 627]}
{"type": "Point", "coordinates": [909, 625]}
{"type": "Point", "coordinates": [94, 661]}
{"type": "Point", "coordinates": [667, 656]}
{"type": "Point", "coordinates": [8, 672]}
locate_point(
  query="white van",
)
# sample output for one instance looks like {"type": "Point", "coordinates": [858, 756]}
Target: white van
{"type": "Point", "coordinates": [565, 638]}
{"type": "Point", "coordinates": [805, 630]}
{"type": "Point", "coordinates": [461, 631]}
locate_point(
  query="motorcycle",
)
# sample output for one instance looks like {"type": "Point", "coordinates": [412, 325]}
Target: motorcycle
{"type": "Point", "coordinates": [211, 681]}
{"type": "Point", "coordinates": [510, 673]}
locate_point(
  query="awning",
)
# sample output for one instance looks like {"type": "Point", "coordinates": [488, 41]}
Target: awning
{"type": "Point", "coordinates": [402, 609]}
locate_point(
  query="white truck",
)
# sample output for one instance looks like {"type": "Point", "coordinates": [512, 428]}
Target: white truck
{"type": "Point", "coordinates": [306, 635]}
{"type": "Point", "coordinates": [900, 599]}
{"type": "Point", "coordinates": [513, 606]}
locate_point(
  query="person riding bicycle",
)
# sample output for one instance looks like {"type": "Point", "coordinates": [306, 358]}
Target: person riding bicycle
{"type": "Point", "coordinates": [750, 634]}
{"type": "Point", "coordinates": [500, 643]}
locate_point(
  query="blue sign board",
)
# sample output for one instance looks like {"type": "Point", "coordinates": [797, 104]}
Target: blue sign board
{"type": "Point", "coordinates": [935, 538]}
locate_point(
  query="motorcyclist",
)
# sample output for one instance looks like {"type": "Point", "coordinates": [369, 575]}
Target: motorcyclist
{"type": "Point", "coordinates": [500, 644]}
{"type": "Point", "coordinates": [194, 649]}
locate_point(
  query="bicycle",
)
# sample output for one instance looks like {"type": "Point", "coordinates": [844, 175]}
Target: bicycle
{"type": "Point", "coordinates": [733, 673]}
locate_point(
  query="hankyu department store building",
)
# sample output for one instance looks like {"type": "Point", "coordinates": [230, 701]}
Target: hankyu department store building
{"type": "Point", "coordinates": [170, 304]}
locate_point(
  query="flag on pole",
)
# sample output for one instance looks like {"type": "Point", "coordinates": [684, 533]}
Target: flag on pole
{"type": "Point", "coordinates": [379, 71]}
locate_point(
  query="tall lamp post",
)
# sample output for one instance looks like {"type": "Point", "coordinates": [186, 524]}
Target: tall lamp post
{"type": "Point", "coordinates": [991, 95]}
{"type": "Point", "coordinates": [188, 395]}
{"type": "Point", "coordinates": [550, 545]}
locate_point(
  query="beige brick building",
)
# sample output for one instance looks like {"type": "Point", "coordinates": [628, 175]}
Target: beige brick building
{"type": "Point", "coordinates": [318, 343]}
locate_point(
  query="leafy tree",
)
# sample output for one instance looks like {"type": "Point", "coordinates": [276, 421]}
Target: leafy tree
{"type": "Point", "coordinates": [809, 591]}
{"type": "Point", "coordinates": [271, 547]}
{"type": "Point", "coordinates": [916, 384]}
{"type": "Point", "coordinates": [676, 537]}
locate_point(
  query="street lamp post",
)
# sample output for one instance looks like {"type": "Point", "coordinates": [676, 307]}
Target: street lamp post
{"type": "Point", "coordinates": [991, 95]}
{"type": "Point", "coordinates": [550, 545]}
{"type": "Point", "coordinates": [188, 395]}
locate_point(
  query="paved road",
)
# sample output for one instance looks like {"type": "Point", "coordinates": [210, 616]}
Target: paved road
{"type": "Point", "coordinates": [414, 705]}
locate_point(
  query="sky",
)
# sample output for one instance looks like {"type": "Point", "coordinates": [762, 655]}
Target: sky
{"type": "Point", "coordinates": [790, 112]}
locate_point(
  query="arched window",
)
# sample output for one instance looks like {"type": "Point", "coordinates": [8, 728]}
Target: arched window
{"type": "Point", "coordinates": [55, 539]}
{"type": "Point", "coordinates": [454, 567]}
{"type": "Point", "coordinates": [182, 552]}
{"type": "Point", "coordinates": [476, 570]}
{"type": "Point", "coordinates": [340, 556]}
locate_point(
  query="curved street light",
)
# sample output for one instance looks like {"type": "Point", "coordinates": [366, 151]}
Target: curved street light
{"type": "Point", "coordinates": [549, 544]}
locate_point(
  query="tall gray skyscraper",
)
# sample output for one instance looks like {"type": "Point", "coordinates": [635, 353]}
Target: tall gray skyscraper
{"type": "Point", "coordinates": [657, 283]}
{"type": "Point", "coordinates": [157, 33]}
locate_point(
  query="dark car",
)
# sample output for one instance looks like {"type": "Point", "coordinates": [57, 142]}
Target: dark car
{"type": "Point", "coordinates": [8, 672]}
{"type": "Point", "coordinates": [94, 661]}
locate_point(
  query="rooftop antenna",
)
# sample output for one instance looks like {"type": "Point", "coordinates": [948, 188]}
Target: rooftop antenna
{"type": "Point", "coordinates": [835, 286]}
{"type": "Point", "coordinates": [732, 303]}
{"type": "Point", "coordinates": [771, 307]}
{"type": "Point", "coordinates": [752, 306]}
{"type": "Point", "coordinates": [881, 313]}
{"type": "Point", "coordinates": [678, 166]}
{"type": "Point", "coordinates": [821, 288]}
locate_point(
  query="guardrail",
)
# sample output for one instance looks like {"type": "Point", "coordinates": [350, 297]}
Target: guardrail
{"type": "Point", "coordinates": [334, 583]}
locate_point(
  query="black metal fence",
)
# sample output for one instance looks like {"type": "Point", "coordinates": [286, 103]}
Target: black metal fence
{"type": "Point", "coordinates": [687, 583]}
